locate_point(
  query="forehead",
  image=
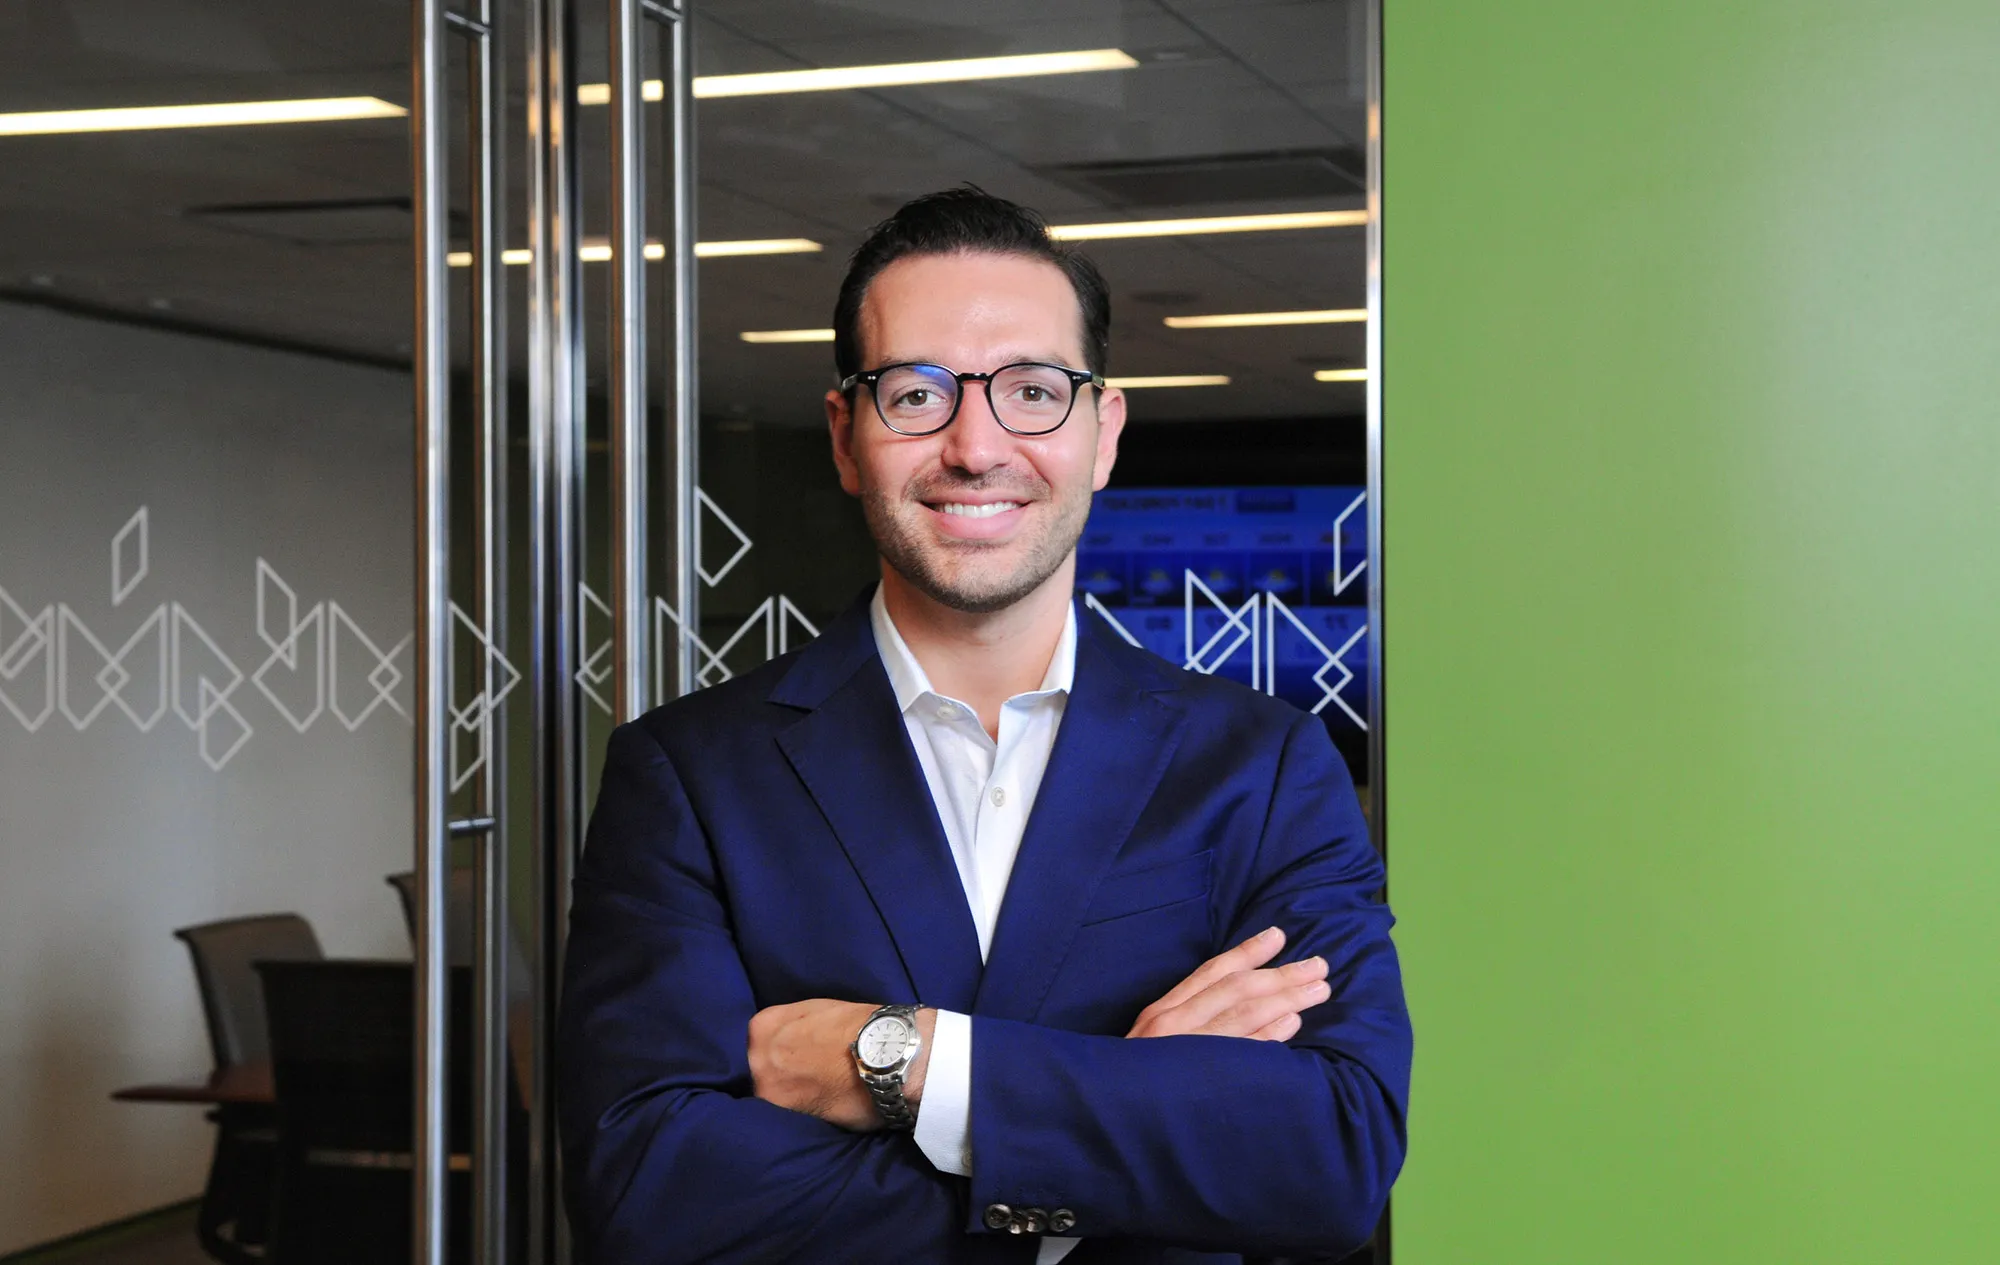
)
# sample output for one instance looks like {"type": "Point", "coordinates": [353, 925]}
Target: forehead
{"type": "Point", "coordinates": [967, 308]}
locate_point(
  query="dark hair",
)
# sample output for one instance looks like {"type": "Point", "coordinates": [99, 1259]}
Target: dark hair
{"type": "Point", "coordinates": [966, 219]}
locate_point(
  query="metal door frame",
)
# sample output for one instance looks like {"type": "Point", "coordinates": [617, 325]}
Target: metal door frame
{"type": "Point", "coordinates": [556, 485]}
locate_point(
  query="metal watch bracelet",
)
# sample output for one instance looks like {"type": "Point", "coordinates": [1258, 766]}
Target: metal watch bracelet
{"type": "Point", "coordinates": [886, 1088]}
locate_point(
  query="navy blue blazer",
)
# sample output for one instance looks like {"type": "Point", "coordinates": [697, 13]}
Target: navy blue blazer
{"type": "Point", "coordinates": [772, 839]}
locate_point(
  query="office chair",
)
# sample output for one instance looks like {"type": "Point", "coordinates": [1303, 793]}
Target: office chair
{"type": "Point", "coordinates": [232, 1223]}
{"type": "Point", "coordinates": [458, 903]}
{"type": "Point", "coordinates": [341, 1038]}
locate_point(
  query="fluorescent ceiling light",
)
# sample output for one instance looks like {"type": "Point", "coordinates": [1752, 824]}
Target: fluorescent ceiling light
{"type": "Point", "coordinates": [147, 118]}
{"type": "Point", "coordinates": [1239, 320]}
{"type": "Point", "coordinates": [786, 336]}
{"type": "Point", "coordinates": [1340, 375]}
{"type": "Point", "coordinates": [597, 252]}
{"type": "Point", "coordinates": [751, 246]}
{"type": "Point", "coordinates": [1171, 380]}
{"type": "Point", "coordinates": [1208, 224]}
{"type": "Point", "coordinates": [894, 75]}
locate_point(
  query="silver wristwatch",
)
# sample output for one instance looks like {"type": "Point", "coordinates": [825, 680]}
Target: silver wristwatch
{"type": "Point", "coordinates": [883, 1051]}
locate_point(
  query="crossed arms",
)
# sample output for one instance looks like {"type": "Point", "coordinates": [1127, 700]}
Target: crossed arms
{"type": "Point", "coordinates": [683, 1143]}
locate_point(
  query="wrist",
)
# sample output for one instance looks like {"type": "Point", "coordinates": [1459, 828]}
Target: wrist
{"type": "Point", "coordinates": [913, 1080]}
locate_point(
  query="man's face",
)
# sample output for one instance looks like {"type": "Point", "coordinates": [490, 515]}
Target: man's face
{"type": "Point", "coordinates": [975, 517]}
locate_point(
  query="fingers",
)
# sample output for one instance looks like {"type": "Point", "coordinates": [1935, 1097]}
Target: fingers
{"type": "Point", "coordinates": [1252, 1015]}
{"type": "Point", "coordinates": [1242, 1004]}
{"type": "Point", "coordinates": [1248, 956]}
{"type": "Point", "coordinates": [1197, 1013]}
{"type": "Point", "coordinates": [1283, 1028]}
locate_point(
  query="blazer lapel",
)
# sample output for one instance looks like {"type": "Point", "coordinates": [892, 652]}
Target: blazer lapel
{"type": "Point", "coordinates": [853, 753]}
{"type": "Point", "coordinates": [1118, 735]}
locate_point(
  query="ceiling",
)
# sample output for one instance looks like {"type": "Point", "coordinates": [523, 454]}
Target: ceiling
{"type": "Point", "coordinates": [1237, 106]}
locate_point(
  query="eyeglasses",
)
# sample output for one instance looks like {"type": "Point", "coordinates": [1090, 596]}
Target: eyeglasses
{"type": "Point", "coordinates": [922, 399]}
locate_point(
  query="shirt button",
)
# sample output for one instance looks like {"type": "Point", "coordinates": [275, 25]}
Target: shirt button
{"type": "Point", "coordinates": [999, 1216]}
{"type": "Point", "coordinates": [999, 797]}
{"type": "Point", "coordinates": [946, 711]}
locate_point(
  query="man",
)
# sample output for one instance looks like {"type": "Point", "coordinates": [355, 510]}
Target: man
{"type": "Point", "coordinates": [915, 945]}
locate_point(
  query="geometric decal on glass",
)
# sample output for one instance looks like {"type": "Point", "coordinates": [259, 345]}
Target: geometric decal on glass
{"type": "Point", "coordinates": [1239, 626]}
{"type": "Point", "coordinates": [779, 619]}
{"type": "Point", "coordinates": [472, 719]}
{"type": "Point", "coordinates": [293, 674]}
{"type": "Point", "coordinates": [167, 660]}
{"type": "Point", "coordinates": [594, 641]}
{"type": "Point", "coordinates": [1341, 578]}
{"type": "Point", "coordinates": [714, 578]}
{"type": "Point", "coordinates": [364, 663]}
{"type": "Point", "coordinates": [1090, 602]}
{"type": "Point", "coordinates": [129, 562]}
{"type": "Point", "coordinates": [91, 677]}
{"type": "Point", "coordinates": [1332, 659]}
{"type": "Point", "coordinates": [25, 642]}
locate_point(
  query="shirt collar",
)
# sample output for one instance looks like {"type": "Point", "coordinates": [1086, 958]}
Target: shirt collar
{"type": "Point", "coordinates": [907, 677]}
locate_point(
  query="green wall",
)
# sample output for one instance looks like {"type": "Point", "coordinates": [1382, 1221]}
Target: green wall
{"type": "Point", "coordinates": [1692, 497]}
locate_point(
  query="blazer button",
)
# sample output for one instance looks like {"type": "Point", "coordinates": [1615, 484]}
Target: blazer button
{"type": "Point", "coordinates": [1062, 1221]}
{"type": "Point", "coordinates": [1032, 1220]}
{"type": "Point", "coordinates": [999, 1217]}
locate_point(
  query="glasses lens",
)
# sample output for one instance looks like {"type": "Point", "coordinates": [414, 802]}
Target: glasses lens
{"type": "Point", "coordinates": [1032, 398]}
{"type": "Point", "coordinates": [916, 398]}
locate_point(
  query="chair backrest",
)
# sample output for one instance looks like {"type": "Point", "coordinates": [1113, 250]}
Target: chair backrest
{"type": "Point", "coordinates": [341, 1053]}
{"type": "Point", "coordinates": [458, 904]}
{"type": "Point", "coordinates": [232, 1000]}
{"type": "Point", "coordinates": [342, 1063]}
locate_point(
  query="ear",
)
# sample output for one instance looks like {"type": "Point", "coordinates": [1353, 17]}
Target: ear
{"type": "Point", "coordinates": [840, 428]}
{"type": "Point", "coordinates": [1110, 425]}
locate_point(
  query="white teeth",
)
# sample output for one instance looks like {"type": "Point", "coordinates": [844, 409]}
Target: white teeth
{"type": "Point", "coordinates": [979, 511]}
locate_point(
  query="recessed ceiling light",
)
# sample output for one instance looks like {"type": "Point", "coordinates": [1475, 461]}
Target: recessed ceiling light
{"type": "Point", "coordinates": [893, 75]}
{"type": "Point", "coordinates": [1239, 320]}
{"type": "Point", "coordinates": [786, 335]}
{"type": "Point", "coordinates": [597, 252]}
{"type": "Point", "coordinates": [146, 118]}
{"type": "Point", "coordinates": [1208, 224]}
{"type": "Point", "coordinates": [1170, 380]}
{"type": "Point", "coordinates": [1340, 375]}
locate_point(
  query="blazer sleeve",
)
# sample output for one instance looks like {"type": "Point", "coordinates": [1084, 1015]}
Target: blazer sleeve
{"type": "Point", "coordinates": [668, 1155]}
{"type": "Point", "coordinates": [1219, 1142]}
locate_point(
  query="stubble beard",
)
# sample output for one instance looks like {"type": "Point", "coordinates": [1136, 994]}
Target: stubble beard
{"type": "Point", "coordinates": [924, 561]}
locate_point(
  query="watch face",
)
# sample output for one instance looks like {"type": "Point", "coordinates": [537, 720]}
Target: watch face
{"type": "Point", "coordinates": [882, 1043]}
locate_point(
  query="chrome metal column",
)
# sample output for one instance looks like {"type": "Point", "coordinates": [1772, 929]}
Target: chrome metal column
{"type": "Point", "coordinates": [685, 580]}
{"type": "Point", "coordinates": [1377, 736]}
{"type": "Point", "coordinates": [631, 603]}
{"type": "Point", "coordinates": [1378, 792]}
{"type": "Point", "coordinates": [433, 633]}
{"type": "Point", "coordinates": [630, 591]}
{"type": "Point", "coordinates": [492, 1092]}
{"type": "Point", "coordinates": [555, 389]}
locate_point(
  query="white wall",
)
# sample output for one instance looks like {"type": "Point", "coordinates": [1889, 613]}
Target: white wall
{"type": "Point", "coordinates": [110, 837]}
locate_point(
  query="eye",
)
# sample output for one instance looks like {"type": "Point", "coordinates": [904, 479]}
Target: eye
{"type": "Point", "coordinates": [916, 397]}
{"type": "Point", "coordinates": [1032, 394]}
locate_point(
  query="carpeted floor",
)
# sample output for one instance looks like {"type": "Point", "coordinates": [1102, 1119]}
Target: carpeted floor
{"type": "Point", "coordinates": [160, 1238]}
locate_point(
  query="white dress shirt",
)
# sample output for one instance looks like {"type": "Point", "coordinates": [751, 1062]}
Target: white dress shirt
{"type": "Point", "coordinates": [984, 791]}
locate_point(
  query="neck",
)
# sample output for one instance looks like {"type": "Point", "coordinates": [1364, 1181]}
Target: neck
{"type": "Point", "coordinates": [985, 658]}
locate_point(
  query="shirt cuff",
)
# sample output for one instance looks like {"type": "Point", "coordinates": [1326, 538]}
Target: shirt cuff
{"type": "Point", "coordinates": [1054, 1249]}
{"type": "Point", "coordinates": [944, 1118]}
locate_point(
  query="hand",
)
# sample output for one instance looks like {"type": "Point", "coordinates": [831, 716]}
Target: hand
{"type": "Point", "coordinates": [1228, 996]}
{"type": "Point", "coordinates": [801, 1059]}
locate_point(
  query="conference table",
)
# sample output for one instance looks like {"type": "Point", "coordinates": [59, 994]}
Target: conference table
{"type": "Point", "coordinates": [251, 1084]}
{"type": "Point", "coordinates": [244, 1085]}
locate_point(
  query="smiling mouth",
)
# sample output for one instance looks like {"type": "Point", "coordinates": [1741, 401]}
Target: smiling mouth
{"type": "Point", "coordinates": [960, 509]}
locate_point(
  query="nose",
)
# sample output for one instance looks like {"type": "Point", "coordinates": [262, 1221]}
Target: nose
{"type": "Point", "coordinates": [975, 442]}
